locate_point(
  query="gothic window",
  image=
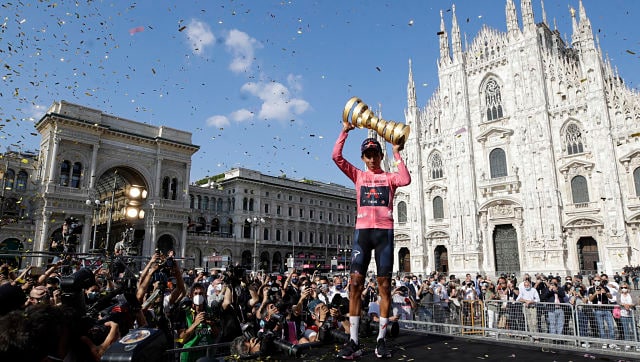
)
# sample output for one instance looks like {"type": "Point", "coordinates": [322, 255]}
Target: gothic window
{"type": "Point", "coordinates": [245, 204]}
{"type": "Point", "coordinates": [75, 175]}
{"type": "Point", "coordinates": [165, 187]}
{"type": "Point", "coordinates": [579, 190]}
{"type": "Point", "coordinates": [9, 177]}
{"type": "Point", "coordinates": [636, 180]}
{"type": "Point", "coordinates": [574, 139]}
{"type": "Point", "coordinates": [498, 163]}
{"type": "Point", "coordinates": [402, 211]}
{"type": "Point", "coordinates": [435, 164]}
{"type": "Point", "coordinates": [265, 234]}
{"type": "Point", "coordinates": [278, 235]}
{"type": "Point", "coordinates": [493, 100]}
{"type": "Point", "coordinates": [21, 180]}
{"type": "Point", "coordinates": [65, 168]}
{"type": "Point", "coordinates": [250, 204]}
{"type": "Point", "coordinates": [438, 209]}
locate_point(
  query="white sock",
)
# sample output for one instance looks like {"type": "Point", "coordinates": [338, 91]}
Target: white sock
{"type": "Point", "coordinates": [353, 328]}
{"type": "Point", "coordinates": [383, 327]}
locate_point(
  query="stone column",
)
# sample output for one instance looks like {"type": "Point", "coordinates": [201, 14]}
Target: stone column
{"type": "Point", "coordinates": [52, 157]}
{"type": "Point", "coordinates": [183, 241]}
{"type": "Point", "coordinates": [94, 158]}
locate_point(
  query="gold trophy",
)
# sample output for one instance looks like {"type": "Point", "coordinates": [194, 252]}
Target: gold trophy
{"type": "Point", "coordinates": [363, 117]}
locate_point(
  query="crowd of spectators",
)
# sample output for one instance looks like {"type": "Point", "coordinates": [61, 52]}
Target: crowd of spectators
{"type": "Point", "coordinates": [73, 311]}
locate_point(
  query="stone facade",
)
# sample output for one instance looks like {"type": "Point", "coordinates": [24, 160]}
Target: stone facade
{"type": "Point", "coordinates": [89, 162]}
{"type": "Point", "coordinates": [526, 157]}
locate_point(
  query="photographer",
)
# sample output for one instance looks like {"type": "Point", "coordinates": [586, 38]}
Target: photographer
{"type": "Point", "coordinates": [199, 328]}
{"type": "Point", "coordinates": [555, 313]}
{"type": "Point", "coordinates": [47, 333]}
{"type": "Point", "coordinates": [402, 304]}
{"type": "Point", "coordinates": [67, 241]}
{"type": "Point", "coordinates": [600, 295]}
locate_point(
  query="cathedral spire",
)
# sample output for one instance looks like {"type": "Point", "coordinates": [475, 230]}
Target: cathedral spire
{"type": "Point", "coordinates": [528, 24]}
{"type": "Point", "coordinates": [512, 19]}
{"type": "Point", "coordinates": [544, 13]}
{"type": "Point", "coordinates": [445, 57]}
{"type": "Point", "coordinates": [456, 42]}
{"type": "Point", "coordinates": [575, 37]}
{"type": "Point", "coordinates": [585, 27]}
{"type": "Point", "coordinates": [412, 102]}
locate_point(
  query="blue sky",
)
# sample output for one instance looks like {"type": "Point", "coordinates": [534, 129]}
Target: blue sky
{"type": "Point", "coordinates": [260, 84]}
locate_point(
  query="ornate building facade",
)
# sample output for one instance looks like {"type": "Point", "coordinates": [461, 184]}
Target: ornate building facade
{"type": "Point", "coordinates": [526, 158]}
{"type": "Point", "coordinates": [122, 179]}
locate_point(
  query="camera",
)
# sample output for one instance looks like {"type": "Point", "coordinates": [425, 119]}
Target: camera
{"type": "Point", "coordinates": [74, 227]}
{"type": "Point", "coordinates": [341, 304]}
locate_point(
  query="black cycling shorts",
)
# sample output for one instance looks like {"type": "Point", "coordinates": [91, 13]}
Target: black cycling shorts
{"type": "Point", "coordinates": [367, 240]}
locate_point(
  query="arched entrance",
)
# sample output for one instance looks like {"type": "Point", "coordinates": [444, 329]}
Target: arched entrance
{"type": "Point", "coordinates": [276, 264]}
{"type": "Point", "coordinates": [246, 260]}
{"type": "Point", "coordinates": [10, 246]}
{"type": "Point", "coordinates": [404, 260]}
{"type": "Point", "coordinates": [505, 246]}
{"type": "Point", "coordinates": [441, 258]}
{"type": "Point", "coordinates": [264, 261]}
{"type": "Point", "coordinates": [165, 243]}
{"type": "Point", "coordinates": [588, 257]}
{"type": "Point", "coordinates": [120, 205]}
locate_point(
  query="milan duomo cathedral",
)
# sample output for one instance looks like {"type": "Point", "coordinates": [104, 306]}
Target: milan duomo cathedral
{"type": "Point", "coordinates": [527, 156]}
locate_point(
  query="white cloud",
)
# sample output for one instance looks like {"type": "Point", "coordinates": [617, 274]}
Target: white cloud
{"type": "Point", "coordinates": [241, 115]}
{"type": "Point", "coordinates": [277, 102]}
{"type": "Point", "coordinates": [199, 36]}
{"type": "Point", "coordinates": [35, 112]}
{"type": "Point", "coordinates": [294, 82]}
{"type": "Point", "coordinates": [217, 121]}
{"type": "Point", "coordinates": [242, 48]}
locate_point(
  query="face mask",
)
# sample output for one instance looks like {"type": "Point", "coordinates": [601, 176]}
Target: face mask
{"type": "Point", "coordinates": [339, 287]}
{"type": "Point", "coordinates": [198, 299]}
{"type": "Point", "coordinates": [527, 289]}
{"type": "Point", "coordinates": [596, 282]}
{"type": "Point", "coordinates": [219, 287]}
{"type": "Point", "coordinates": [294, 280]}
{"type": "Point", "coordinates": [624, 290]}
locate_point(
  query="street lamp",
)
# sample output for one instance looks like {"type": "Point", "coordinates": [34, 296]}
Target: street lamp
{"type": "Point", "coordinates": [255, 221]}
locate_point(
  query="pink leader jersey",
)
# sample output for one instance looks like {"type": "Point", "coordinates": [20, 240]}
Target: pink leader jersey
{"type": "Point", "coordinates": [374, 190]}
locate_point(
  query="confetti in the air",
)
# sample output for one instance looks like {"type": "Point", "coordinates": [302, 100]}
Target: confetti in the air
{"type": "Point", "coordinates": [135, 30]}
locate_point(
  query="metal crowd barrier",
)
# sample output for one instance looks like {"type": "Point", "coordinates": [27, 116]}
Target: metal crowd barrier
{"type": "Point", "coordinates": [581, 327]}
